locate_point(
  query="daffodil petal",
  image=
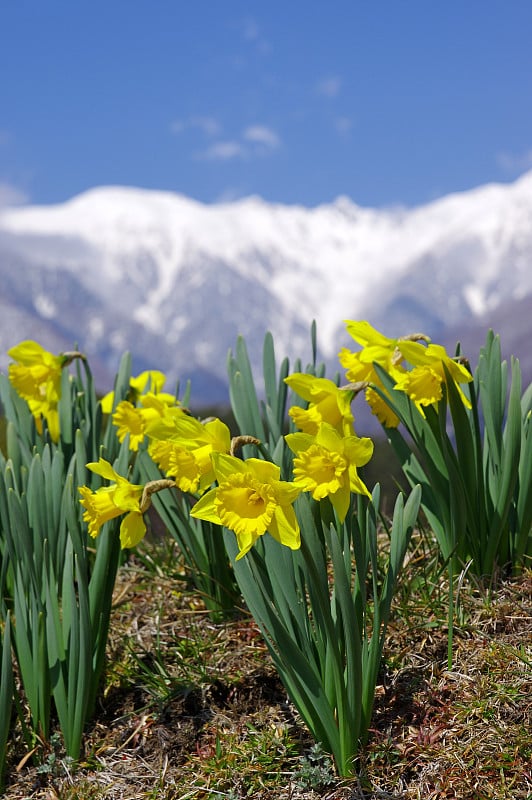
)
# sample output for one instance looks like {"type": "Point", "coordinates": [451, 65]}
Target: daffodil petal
{"type": "Point", "coordinates": [132, 529]}
{"type": "Point", "coordinates": [103, 468]}
{"type": "Point", "coordinates": [205, 508]}
{"type": "Point", "coordinates": [340, 501]}
{"type": "Point", "coordinates": [226, 465]}
{"type": "Point", "coordinates": [284, 527]}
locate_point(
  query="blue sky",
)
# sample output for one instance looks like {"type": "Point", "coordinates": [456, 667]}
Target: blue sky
{"type": "Point", "coordinates": [389, 103]}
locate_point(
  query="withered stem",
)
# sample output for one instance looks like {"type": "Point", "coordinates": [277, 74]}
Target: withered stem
{"type": "Point", "coordinates": [152, 487]}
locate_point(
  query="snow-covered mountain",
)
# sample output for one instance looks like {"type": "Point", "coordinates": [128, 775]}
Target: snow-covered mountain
{"type": "Point", "coordinates": [176, 281]}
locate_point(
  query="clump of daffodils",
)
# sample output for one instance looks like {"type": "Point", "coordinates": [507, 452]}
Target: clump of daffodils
{"type": "Point", "coordinates": [146, 404]}
{"type": "Point", "coordinates": [327, 450]}
{"type": "Point", "coordinates": [419, 368]}
{"type": "Point", "coordinates": [36, 376]}
{"type": "Point", "coordinates": [199, 457]}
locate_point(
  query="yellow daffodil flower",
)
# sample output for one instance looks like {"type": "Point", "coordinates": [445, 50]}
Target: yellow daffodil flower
{"type": "Point", "coordinates": [359, 366]}
{"type": "Point", "coordinates": [390, 355]}
{"type": "Point", "coordinates": [37, 378]}
{"type": "Point", "coordinates": [375, 348]}
{"type": "Point", "coordinates": [357, 370]}
{"type": "Point", "coordinates": [129, 420]}
{"type": "Point", "coordinates": [423, 386]}
{"type": "Point", "coordinates": [369, 337]}
{"type": "Point", "coordinates": [112, 501]}
{"type": "Point", "coordinates": [152, 378]}
{"type": "Point", "coordinates": [250, 500]}
{"type": "Point", "coordinates": [191, 469]}
{"type": "Point", "coordinates": [182, 448]}
{"type": "Point", "coordinates": [136, 420]}
{"type": "Point", "coordinates": [424, 383]}
{"type": "Point", "coordinates": [380, 408]}
{"type": "Point", "coordinates": [326, 465]}
{"type": "Point", "coordinates": [327, 403]}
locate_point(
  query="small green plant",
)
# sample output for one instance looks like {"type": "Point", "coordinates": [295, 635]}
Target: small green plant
{"type": "Point", "coordinates": [55, 766]}
{"type": "Point", "coordinates": [316, 770]}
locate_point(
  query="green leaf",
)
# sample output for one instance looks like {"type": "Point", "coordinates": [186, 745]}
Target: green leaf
{"type": "Point", "coordinates": [299, 676]}
{"type": "Point", "coordinates": [6, 694]}
{"type": "Point", "coordinates": [243, 394]}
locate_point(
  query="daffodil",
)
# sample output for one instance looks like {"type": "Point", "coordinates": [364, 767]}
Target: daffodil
{"type": "Point", "coordinates": [380, 408]}
{"type": "Point", "coordinates": [37, 378]}
{"type": "Point", "coordinates": [388, 354]}
{"type": "Point", "coordinates": [153, 379]}
{"type": "Point", "coordinates": [326, 465]}
{"type": "Point", "coordinates": [370, 338]}
{"type": "Point", "coordinates": [327, 403]}
{"type": "Point", "coordinates": [112, 501]}
{"type": "Point", "coordinates": [135, 420]}
{"type": "Point", "coordinates": [182, 448]}
{"type": "Point", "coordinates": [191, 469]}
{"type": "Point", "coordinates": [376, 348]}
{"type": "Point", "coordinates": [250, 500]}
{"type": "Point", "coordinates": [424, 383]}
{"type": "Point", "coordinates": [129, 421]}
{"type": "Point", "coordinates": [358, 370]}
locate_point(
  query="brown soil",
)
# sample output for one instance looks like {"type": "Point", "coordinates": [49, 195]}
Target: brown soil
{"type": "Point", "coordinates": [215, 721]}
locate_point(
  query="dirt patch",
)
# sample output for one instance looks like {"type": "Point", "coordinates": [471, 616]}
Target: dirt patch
{"type": "Point", "coordinates": [192, 708]}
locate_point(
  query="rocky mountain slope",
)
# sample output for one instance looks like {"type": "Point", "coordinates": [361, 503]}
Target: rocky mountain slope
{"type": "Point", "coordinates": [176, 281]}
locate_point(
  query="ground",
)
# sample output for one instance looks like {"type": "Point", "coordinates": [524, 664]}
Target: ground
{"type": "Point", "coordinates": [192, 708]}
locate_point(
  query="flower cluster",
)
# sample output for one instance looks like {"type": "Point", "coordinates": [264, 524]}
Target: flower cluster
{"type": "Point", "coordinates": [145, 405]}
{"type": "Point", "coordinates": [327, 449]}
{"type": "Point", "coordinates": [36, 376]}
{"type": "Point", "coordinates": [198, 457]}
{"type": "Point", "coordinates": [419, 368]}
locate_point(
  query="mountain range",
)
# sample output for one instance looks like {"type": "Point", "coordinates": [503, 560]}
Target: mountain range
{"type": "Point", "coordinates": [176, 281]}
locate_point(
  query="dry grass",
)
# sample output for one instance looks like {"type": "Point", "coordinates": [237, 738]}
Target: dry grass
{"type": "Point", "coordinates": [192, 708]}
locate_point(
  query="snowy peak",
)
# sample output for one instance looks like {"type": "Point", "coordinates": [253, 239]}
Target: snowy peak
{"type": "Point", "coordinates": [176, 281]}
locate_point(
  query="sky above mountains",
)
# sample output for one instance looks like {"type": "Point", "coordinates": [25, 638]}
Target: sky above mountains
{"type": "Point", "coordinates": [388, 103]}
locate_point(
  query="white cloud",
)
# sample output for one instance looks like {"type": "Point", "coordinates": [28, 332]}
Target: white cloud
{"type": "Point", "coordinates": [12, 196]}
{"type": "Point", "coordinates": [209, 126]}
{"type": "Point", "coordinates": [254, 142]}
{"type": "Point", "coordinates": [514, 163]}
{"type": "Point", "coordinates": [329, 87]}
{"type": "Point", "coordinates": [262, 135]}
{"type": "Point", "coordinates": [223, 151]}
